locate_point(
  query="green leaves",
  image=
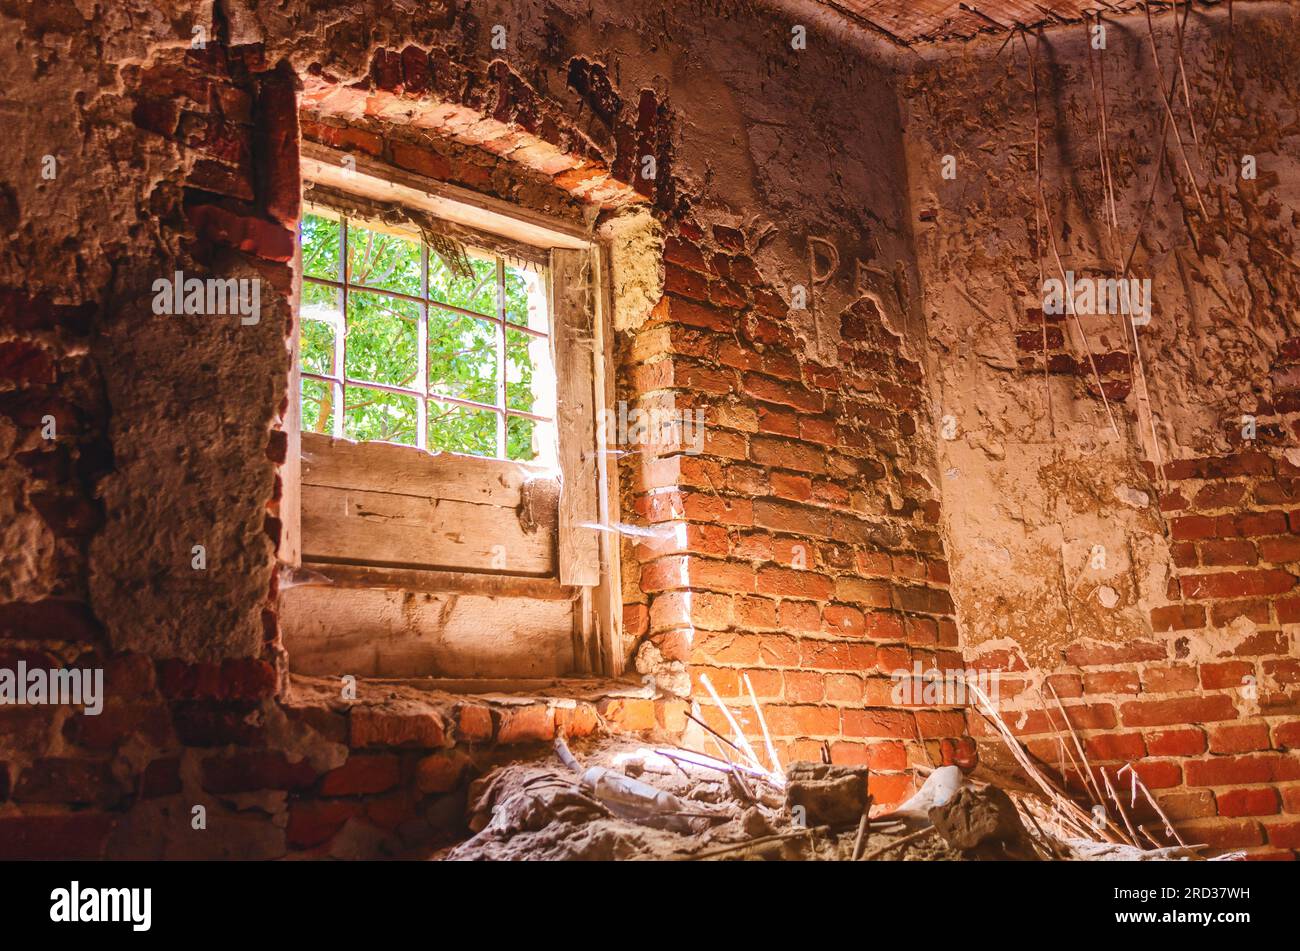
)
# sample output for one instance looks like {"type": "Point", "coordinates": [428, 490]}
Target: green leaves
{"type": "Point", "coordinates": [464, 357]}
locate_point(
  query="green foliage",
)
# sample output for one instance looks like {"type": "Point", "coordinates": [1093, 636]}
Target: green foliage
{"type": "Point", "coordinates": [383, 344]}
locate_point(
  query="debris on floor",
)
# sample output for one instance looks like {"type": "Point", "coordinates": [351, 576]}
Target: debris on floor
{"type": "Point", "coordinates": [612, 799]}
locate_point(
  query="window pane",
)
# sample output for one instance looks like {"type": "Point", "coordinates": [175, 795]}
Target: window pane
{"type": "Point", "coordinates": [478, 294]}
{"type": "Point", "coordinates": [383, 260]}
{"type": "Point", "coordinates": [462, 357]}
{"type": "Point", "coordinates": [320, 246]}
{"type": "Point", "coordinates": [524, 354]}
{"type": "Point", "coordinates": [525, 302]}
{"type": "Point", "coordinates": [320, 302]}
{"type": "Point", "coordinates": [528, 440]}
{"type": "Point", "coordinates": [316, 343]}
{"type": "Point", "coordinates": [375, 414]}
{"type": "Point", "coordinates": [383, 340]}
{"type": "Point", "coordinates": [455, 428]}
{"type": "Point", "coordinates": [317, 407]}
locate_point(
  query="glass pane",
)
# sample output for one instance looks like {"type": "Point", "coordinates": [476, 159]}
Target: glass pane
{"type": "Point", "coordinates": [383, 340]}
{"type": "Point", "coordinates": [478, 293]}
{"type": "Point", "coordinates": [317, 407]}
{"type": "Point", "coordinates": [455, 428]}
{"type": "Point", "coordinates": [320, 302]}
{"type": "Point", "coordinates": [375, 414]}
{"type": "Point", "coordinates": [383, 260]}
{"type": "Point", "coordinates": [462, 357]}
{"type": "Point", "coordinates": [316, 343]}
{"type": "Point", "coordinates": [320, 246]}
{"type": "Point", "coordinates": [528, 440]}
{"type": "Point", "coordinates": [524, 355]}
{"type": "Point", "coordinates": [524, 300]}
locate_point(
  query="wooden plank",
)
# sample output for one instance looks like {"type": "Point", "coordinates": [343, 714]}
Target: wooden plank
{"type": "Point", "coordinates": [609, 595]}
{"type": "Point", "coordinates": [571, 308]}
{"type": "Point", "coordinates": [290, 552]}
{"type": "Point", "coordinates": [405, 470]}
{"type": "Point", "coordinates": [429, 580]}
{"type": "Point", "coordinates": [383, 633]}
{"type": "Point", "coordinates": [406, 531]}
{"type": "Point", "coordinates": [382, 182]}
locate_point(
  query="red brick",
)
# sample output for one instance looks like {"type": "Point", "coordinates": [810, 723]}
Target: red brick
{"type": "Point", "coordinates": [440, 772]}
{"type": "Point", "coordinates": [251, 235]}
{"type": "Point", "coordinates": [1284, 835]}
{"type": "Point", "coordinates": [1225, 675]}
{"type": "Point", "coordinates": [885, 724]}
{"type": "Point", "coordinates": [1110, 681]}
{"type": "Point", "coordinates": [251, 771]}
{"type": "Point", "coordinates": [788, 582]}
{"type": "Point", "coordinates": [1242, 770]}
{"type": "Point", "coordinates": [1122, 747]}
{"type": "Point", "coordinates": [76, 836]}
{"type": "Point", "coordinates": [1097, 655]}
{"type": "Point", "coordinates": [51, 618]}
{"type": "Point", "coordinates": [533, 723]}
{"type": "Point", "coordinates": [373, 726]}
{"type": "Point", "coordinates": [362, 775]}
{"type": "Point", "coordinates": [1237, 584]}
{"type": "Point", "coordinates": [1170, 679]}
{"type": "Point", "coordinates": [1185, 710]}
{"type": "Point", "coordinates": [1224, 833]}
{"type": "Point", "coordinates": [1247, 802]}
{"type": "Point", "coordinates": [1178, 617]}
{"type": "Point", "coordinates": [1239, 738]}
{"type": "Point", "coordinates": [314, 822]}
{"type": "Point", "coordinates": [1175, 743]}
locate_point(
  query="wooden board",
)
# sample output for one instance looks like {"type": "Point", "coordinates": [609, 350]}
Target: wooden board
{"type": "Point", "coordinates": [572, 308]}
{"type": "Point", "coordinates": [383, 528]}
{"type": "Point", "coordinates": [376, 180]}
{"type": "Point", "coordinates": [611, 652]}
{"type": "Point", "coordinates": [430, 580]}
{"type": "Point", "coordinates": [382, 633]}
{"type": "Point", "coordinates": [403, 470]}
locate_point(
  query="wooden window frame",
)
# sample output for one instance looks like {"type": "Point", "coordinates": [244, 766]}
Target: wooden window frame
{"type": "Point", "coordinates": [579, 307]}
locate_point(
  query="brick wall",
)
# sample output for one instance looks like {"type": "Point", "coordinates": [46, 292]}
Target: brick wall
{"type": "Point", "coordinates": [804, 550]}
{"type": "Point", "coordinates": [1149, 583]}
{"type": "Point", "coordinates": [169, 433]}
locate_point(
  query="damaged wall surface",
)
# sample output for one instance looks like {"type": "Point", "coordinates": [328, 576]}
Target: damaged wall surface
{"type": "Point", "coordinates": [1142, 569]}
{"type": "Point", "coordinates": [865, 336]}
{"type": "Point", "coordinates": [804, 545]}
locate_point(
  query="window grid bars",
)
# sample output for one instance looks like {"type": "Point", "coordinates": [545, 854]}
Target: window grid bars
{"type": "Point", "coordinates": [339, 380]}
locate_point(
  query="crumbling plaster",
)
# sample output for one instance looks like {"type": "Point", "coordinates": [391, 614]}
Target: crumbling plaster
{"type": "Point", "coordinates": [783, 143]}
{"type": "Point", "coordinates": [1033, 475]}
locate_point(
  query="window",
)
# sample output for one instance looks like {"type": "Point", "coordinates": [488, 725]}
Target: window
{"type": "Point", "coordinates": [448, 489]}
{"type": "Point", "coordinates": [445, 352]}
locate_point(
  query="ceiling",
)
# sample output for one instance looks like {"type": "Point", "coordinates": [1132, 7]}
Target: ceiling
{"type": "Point", "coordinates": [922, 21]}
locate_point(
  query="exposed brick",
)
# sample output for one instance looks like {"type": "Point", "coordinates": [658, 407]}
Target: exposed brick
{"type": "Point", "coordinates": [1247, 802]}
{"type": "Point", "coordinates": [362, 775]}
{"type": "Point", "coordinates": [1184, 710]}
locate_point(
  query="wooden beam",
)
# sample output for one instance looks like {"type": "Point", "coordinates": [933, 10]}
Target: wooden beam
{"type": "Point", "coordinates": [572, 308]}
{"type": "Point", "coordinates": [609, 595]}
{"type": "Point", "coordinates": [321, 575]}
{"type": "Point", "coordinates": [365, 176]}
